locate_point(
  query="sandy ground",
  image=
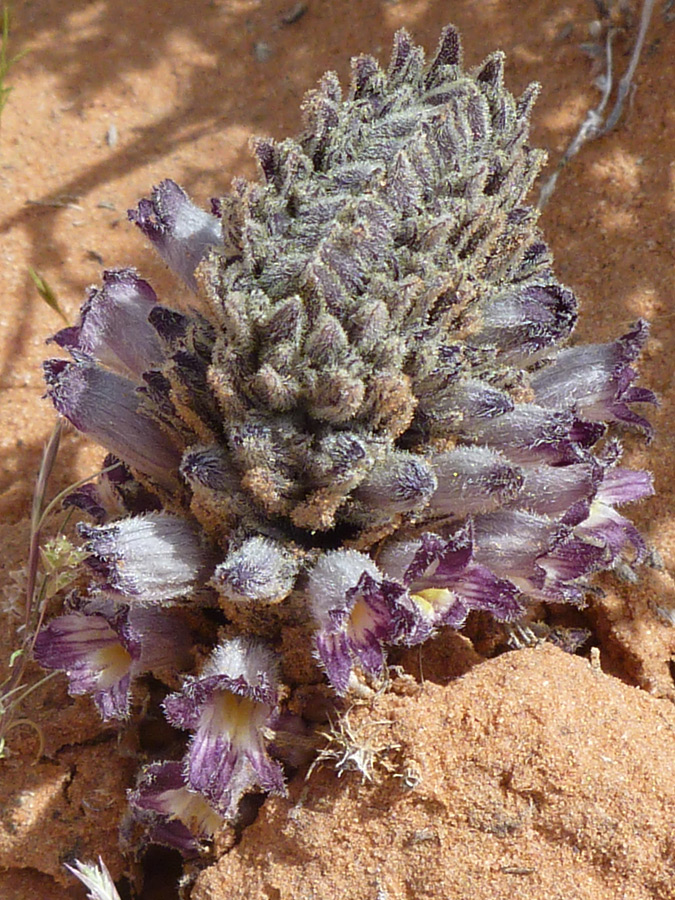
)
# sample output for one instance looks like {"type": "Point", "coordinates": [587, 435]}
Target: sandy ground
{"type": "Point", "coordinates": [110, 98]}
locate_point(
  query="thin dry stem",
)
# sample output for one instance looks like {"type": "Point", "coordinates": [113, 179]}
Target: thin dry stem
{"type": "Point", "coordinates": [13, 691]}
{"type": "Point", "coordinates": [627, 80]}
{"type": "Point", "coordinates": [594, 125]}
{"type": "Point", "coordinates": [46, 466]}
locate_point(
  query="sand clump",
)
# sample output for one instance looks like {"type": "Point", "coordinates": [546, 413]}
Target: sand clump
{"type": "Point", "coordinates": [534, 775]}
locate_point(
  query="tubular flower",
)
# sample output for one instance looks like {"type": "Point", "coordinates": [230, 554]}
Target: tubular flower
{"type": "Point", "coordinates": [446, 583]}
{"type": "Point", "coordinates": [116, 494]}
{"type": "Point", "coordinates": [597, 380]}
{"type": "Point", "coordinates": [172, 815]}
{"type": "Point", "coordinates": [358, 611]}
{"type": "Point", "coordinates": [180, 231]}
{"type": "Point", "coordinates": [227, 707]}
{"type": "Point", "coordinates": [103, 649]}
{"type": "Point", "coordinates": [150, 558]}
{"type": "Point", "coordinates": [367, 421]}
{"type": "Point", "coordinates": [105, 406]}
{"type": "Point", "coordinates": [603, 524]}
{"type": "Point", "coordinates": [108, 316]}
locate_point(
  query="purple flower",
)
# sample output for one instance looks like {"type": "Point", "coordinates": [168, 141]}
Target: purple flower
{"type": "Point", "coordinates": [106, 406]}
{"type": "Point", "coordinates": [526, 318]}
{"type": "Point", "coordinates": [358, 611]}
{"type": "Point", "coordinates": [567, 566]}
{"type": "Point", "coordinates": [538, 554]}
{"type": "Point", "coordinates": [555, 490]}
{"type": "Point", "coordinates": [115, 494]}
{"type": "Point", "coordinates": [604, 526]}
{"type": "Point", "coordinates": [597, 380]}
{"type": "Point", "coordinates": [102, 650]}
{"type": "Point", "coordinates": [174, 815]}
{"type": "Point", "coordinates": [180, 231]}
{"type": "Point", "coordinates": [114, 329]}
{"type": "Point", "coordinates": [472, 480]}
{"type": "Point", "coordinates": [446, 582]}
{"type": "Point", "coordinates": [147, 558]}
{"type": "Point", "coordinates": [534, 434]}
{"type": "Point", "coordinates": [372, 426]}
{"type": "Point", "coordinates": [402, 482]}
{"type": "Point", "coordinates": [90, 499]}
{"type": "Point", "coordinates": [228, 707]}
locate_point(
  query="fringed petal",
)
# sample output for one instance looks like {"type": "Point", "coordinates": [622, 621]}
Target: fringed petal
{"type": "Point", "coordinates": [174, 815]}
{"type": "Point", "coordinates": [358, 612]}
{"type": "Point", "coordinates": [334, 652]}
{"type": "Point", "coordinates": [447, 583]}
{"type": "Point", "coordinates": [567, 566]}
{"type": "Point", "coordinates": [88, 499]}
{"type": "Point", "coordinates": [228, 707]}
{"type": "Point", "coordinates": [97, 658]}
{"type": "Point", "coordinates": [605, 526]}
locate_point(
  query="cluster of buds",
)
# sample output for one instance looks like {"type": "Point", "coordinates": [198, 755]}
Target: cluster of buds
{"type": "Point", "coordinates": [364, 424]}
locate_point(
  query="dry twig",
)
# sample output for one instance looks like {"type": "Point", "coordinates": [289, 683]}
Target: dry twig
{"type": "Point", "coordinates": [595, 125]}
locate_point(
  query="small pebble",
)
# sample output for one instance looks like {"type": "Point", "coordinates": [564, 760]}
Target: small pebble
{"type": "Point", "coordinates": [595, 29]}
{"type": "Point", "coordinates": [294, 14]}
{"type": "Point", "coordinates": [111, 136]}
{"type": "Point", "coordinates": [262, 51]}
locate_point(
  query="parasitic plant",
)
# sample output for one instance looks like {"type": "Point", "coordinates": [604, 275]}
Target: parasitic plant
{"type": "Point", "coordinates": [366, 424]}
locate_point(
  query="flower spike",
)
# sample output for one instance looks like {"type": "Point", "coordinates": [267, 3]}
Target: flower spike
{"type": "Point", "coordinates": [372, 422]}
